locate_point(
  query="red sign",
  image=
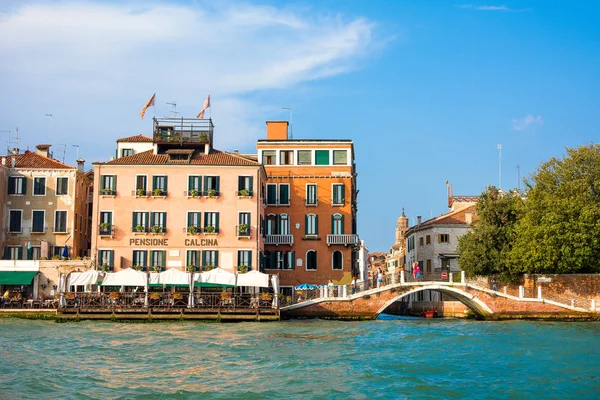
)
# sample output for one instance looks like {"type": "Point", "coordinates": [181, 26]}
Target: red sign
{"type": "Point", "coordinates": [444, 275]}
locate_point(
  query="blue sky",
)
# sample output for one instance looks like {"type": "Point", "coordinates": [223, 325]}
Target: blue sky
{"type": "Point", "coordinates": [426, 89]}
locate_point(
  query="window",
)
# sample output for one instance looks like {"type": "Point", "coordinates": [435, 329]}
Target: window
{"type": "Point", "coordinates": [279, 260]}
{"type": "Point", "coordinates": [244, 258]}
{"type": "Point", "coordinates": [244, 186]}
{"type": "Point", "coordinates": [192, 258]}
{"type": "Point", "coordinates": [194, 185]}
{"type": "Point", "coordinates": [304, 157]}
{"type": "Point", "coordinates": [39, 186]}
{"type": "Point", "coordinates": [17, 185]}
{"type": "Point", "coordinates": [268, 157]}
{"type": "Point", "coordinates": [311, 260]}
{"type": "Point", "coordinates": [211, 222]}
{"type": "Point", "coordinates": [105, 222]}
{"type": "Point", "coordinates": [159, 185]}
{"type": "Point", "coordinates": [340, 157]}
{"type": "Point", "coordinates": [272, 225]}
{"type": "Point", "coordinates": [428, 239]}
{"type": "Point", "coordinates": [337, 260]}
{"type": "Point", "coordinates": [139, 221]}
{"type": "Point", "coordinates": [158, 222]}
{"type": "Point", "coordinates": [311, 225]}
{"type": "Point", "coordinates": [37, 223]}
{"type": "Point", "coordinates": [210, 258]}
{"type": "Point", "coordinates": [158, 258]}
{"type": "Point", "coordinates": [271, 194]}
{"type": "Point", "coordinates": [321, 157]}
{"type": "Point", "coordinates": [108, 184]}
{"type": "Point", "coordinates": [13, 252]}
{"type": "Point", "coordinates": [140, 258]}
{"type": "Point", "coordinates": [338, 194]}
{"type": "Point", "coordinates": [428, 270]}
{"type": "Point", "coordinates": [193, 221]}
{"type": "Point", "coordinates": [411, 243]}
{"type": "Point", "coordinates": [311, 194]}
{"type": "Point", "coordinates": [211, 185]}
{"type": "Point", "coordinates": [443, 238]}
{"type": "Point", "coordinates": [106, 258]}
{"type": "Point", "coordinates": [284, 224]}
{"type": "Point", "coordinates": [286, 157]}
{"type": "Point", "coordinates": [421, 241]}
{"type": "Point", "coordinates": [60, 221]}
{"type": "Point", "coordinates": [62, 186]}
{"type": "Point", "coordinates": [244, 224]}
{"type": "Point", "coordinates": [141, 185]}
{"type": "Point", "coordinates": [337, 224]}
{"type": "Point", "coordinates": [284, 194]}
{"type": "Point", "coordinates": [57, 251]}
{"type": "Point", "coordinates": [126, 152]}
{"type": "Point", "coordinates": [36, 253]}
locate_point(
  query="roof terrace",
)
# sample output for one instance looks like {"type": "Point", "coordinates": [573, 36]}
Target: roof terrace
{"type": "Point", "coordinates": [172, 132]}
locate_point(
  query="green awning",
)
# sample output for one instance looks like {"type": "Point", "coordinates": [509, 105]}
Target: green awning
{"type": "Point", "coordinates": [16, 277]}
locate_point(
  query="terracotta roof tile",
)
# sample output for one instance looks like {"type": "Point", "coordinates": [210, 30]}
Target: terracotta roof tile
{"type": "Point", "coordinates": [137, 139]}
{"type": "Point", "coordinates": [216, 157]}
{"type": "Point", "coordinates": [453, 218]}
{"type": "Point", "coordinates": [35, 161]}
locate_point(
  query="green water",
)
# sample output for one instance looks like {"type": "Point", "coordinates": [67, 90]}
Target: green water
{"type": "Point", "coordinates": [300, 359]}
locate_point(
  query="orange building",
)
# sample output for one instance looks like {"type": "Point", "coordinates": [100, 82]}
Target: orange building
{"type": "Point", "coordinates": [310, 217]}
{"type": "Point", "coordinates": [174, 201]}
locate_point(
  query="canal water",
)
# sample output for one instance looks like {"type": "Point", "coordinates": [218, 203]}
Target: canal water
{"type": "Point", "coordinates": [389, 358]}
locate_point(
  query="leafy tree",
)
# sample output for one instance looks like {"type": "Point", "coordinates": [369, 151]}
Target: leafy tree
{"type": "Point", "coordinates": [485, 250]}
{"type": "Point", "coordinates": [560, 230]}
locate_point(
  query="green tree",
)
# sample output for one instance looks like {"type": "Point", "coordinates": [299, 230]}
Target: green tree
{"type": "Point", "coordinates": [485, 250]}
{"type": "Point", "coordinates": [560, 231]}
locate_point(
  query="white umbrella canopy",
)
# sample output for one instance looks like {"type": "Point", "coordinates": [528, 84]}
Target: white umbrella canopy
{"type": "Point", "coordinates": [253, 279]}
{"type": "Point", "coordinates": [217, 276]}
{"type": "Point", "coordinates": [127, 277]}
{"type": "Point", "coordinates": [90, 277]}
{"type": "Point", "coordinates": [172, 276]}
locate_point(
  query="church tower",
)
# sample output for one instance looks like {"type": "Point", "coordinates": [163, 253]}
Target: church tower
{"type": "Point", "coordinates": [401, 229]}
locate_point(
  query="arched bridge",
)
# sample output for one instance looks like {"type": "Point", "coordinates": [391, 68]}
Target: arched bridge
{"type": "Point", "coordinates": [483, 302]}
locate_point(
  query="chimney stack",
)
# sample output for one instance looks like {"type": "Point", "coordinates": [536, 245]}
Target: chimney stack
{"type": "Point", "coordinates": [418, 220]}
{"type": "Point", "coordinates": [15, 150]}
{"type": "Point", "coordinates": [80, 164]}
{"type": "Point", "coordinates": [277, 130]}
{"type": "Point", "coordinates": [236, 151]}
{"type": "Point", "coordinates": [43, 150]}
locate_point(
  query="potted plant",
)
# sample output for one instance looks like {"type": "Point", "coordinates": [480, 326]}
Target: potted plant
{"type": "Point", "coordinates": [157, 229]}
{"type": "Point", "coordinates": [193, 193]}
{"type": "Point", "coordinates": [104, 268]}
{"type": "Point", "coordinates": [114, 295]}
{"type": "Point", "coordinates": [244, 193]}
{"type": "Point", "coordinates": [266, 296]}
{"type": "Point", "coordinates": [225, 295]}
{"type": "Point", "coordinates": [242, 269]}
{"type": "Point", "coordinates": [243, 228]}
{"type": "Point", "coordinates": [155, 296]}
{"type": "Point", "coordinates": [157, 192]}
{"type": "Point", "coordinates": [141, 192]}
{"type": "Point", "coordinates": [211, 192]}
{"type": "Point", "coordinates": [140, 228]}
{"type": "Point", "coordinates": [156, 268]}
{"type": "Point", "coordinates": [137, 267]}
{"type": "Point", "coordinates": [106, 191]}
{"type": "Point", "coordinates": [192, 229]}
{"type": "Point", "coordinates": [56, 257]}
{"type": "Point", "coordinates": [54, 287]}
{"type": "Point", "coordinates": [209, 229]}
{"type": "Point", "coordinates": [203, 137]}
{"type": "Point", "coordinates": [207, 267]}
{"type": "Point", "coordinates": [191, 268]}
{"type": "Point", "coordinates": [105, 226]}
{"type": "Point", "coordinates": [185, 139]}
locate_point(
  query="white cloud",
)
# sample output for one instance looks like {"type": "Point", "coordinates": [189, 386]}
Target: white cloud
{"type": "Point", "coordinates": [95, 63]}
{"type": "Point", "coordinates": [521, 124]}
{"type": "Point", "coordinates": [490, 8]}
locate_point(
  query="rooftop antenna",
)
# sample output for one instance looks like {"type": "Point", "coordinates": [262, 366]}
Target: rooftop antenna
{"type": "Point", "coordinates": [50, 115]}
{"type": "Point", "coordinates": [518, 178]}
{"type": "Point", "coordinates": [499, 146]}
{"type": "Point", "coordinates": [7, 141]}
{"type": "Point", "coordinates": [174, 104]}
{"type": "Point", "coordinates": [291, 127]}
{"type": "Point", "coordinates": [77, 146]}
{"type": "Point", "coordinates": [64, 151]}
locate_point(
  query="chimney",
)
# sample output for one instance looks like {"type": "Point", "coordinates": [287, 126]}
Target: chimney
{"type": "Point", "coordinates": [43, 150]}
{"type": "Point", "coordinates": [80, 164]}
{"type": "Point", "coordinates": [236, 151]}
{"type": "Point", "coordinates": [111, 158]}
{"type": "Point", "coordinates": [15, 150]}
{"type": "Point", "coordinates": [418, 220]}
{"type": "Point", "coordinates": [13, 161]}
{"type": "Point", "coordinates": [3, 160]}
{"type": "Point", "coordinates": [277, 130]}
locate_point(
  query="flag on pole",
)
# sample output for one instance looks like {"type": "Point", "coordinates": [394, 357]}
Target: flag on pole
{"type": "Point", "coordinates": [150, 103]}
{"type": "Point", "coordinates": [204, 107]}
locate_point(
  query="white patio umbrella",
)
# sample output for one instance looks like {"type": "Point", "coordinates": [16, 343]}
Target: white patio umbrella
{"type": "Point", "coordinates": [253, 279]}
{"type": "Point", "coordinates": [275, 282]}
{"type": "Point", "coordinates": [127, 277]}
{"type": "Point", "coordinates": [217, 276]}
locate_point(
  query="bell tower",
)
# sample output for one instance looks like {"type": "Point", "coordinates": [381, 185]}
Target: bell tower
{"type": "Point", "coordinates": [401, 229]}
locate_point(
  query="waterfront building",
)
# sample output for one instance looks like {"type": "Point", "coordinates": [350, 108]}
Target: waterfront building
{"type": "Point", "coordinates": [310, 216]}
{"type": "Point", "coordinates": [45, 208]}
{"type": "Point", "coordinates": [173, 200]}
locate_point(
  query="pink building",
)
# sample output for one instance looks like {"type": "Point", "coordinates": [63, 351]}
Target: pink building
{"type": "Point", "coordinates": [175, 201]}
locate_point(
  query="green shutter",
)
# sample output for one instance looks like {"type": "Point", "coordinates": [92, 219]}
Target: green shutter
{"type": "Point", "coordinates": [284, 194]}
{"type": "Point", "coordinates": [133, 224]}
{"type": "Point", "coordinates": [190, 182]}
{"type": "Point", "coordinates": [6, 253]}
{"type": "Point", "coordinates": [165, 221]}
{"type": "Point", "coordinates": [11, 185]}
{"type": "Point", "coordinates": [217, 222]}
{"type": "Point", "coordinates": [250, 189]}
{"type": "Point", "coordinates": [19, 253]}
{"type": "Point", "coordinates": [166, 188]}
{"type": "Point", "coordinates": [342, 232]}
{"type": "Point", "coordinates": [24, 186]}
{"type": "Point", "coordinates": [203, 257]}
{"type": "Point", "coordinates": [206, 183]}
{"type": "Point", "coordinates": [111, 258]}
{"type": "Point", "coordinates": [189, 218]}
{"type": "Point", "coordinates": [316, 225]}
{"type": "Point", "coordinates": [332, 224]}
{"type": "Point", "coordinates": [240, 183]}
{"type": "Point", "coordinates": [114, 183]}
{"type": "Point", "coordinates": [249, 260]}
{"type": "Point", "coordinates": [293, 263]}
{"type": "Point", "coordinates": [153, 182]}
{"type": "Point", "coordinates": [321, 157]}
{"type": "Point", "coordinates": [306, 224]}
{"type": "Point", "coordinates": [218, 183]}
{"type": "Point", "coordinates": [343, 194]}
{"type": "Point", "coordinates": [216, 258]}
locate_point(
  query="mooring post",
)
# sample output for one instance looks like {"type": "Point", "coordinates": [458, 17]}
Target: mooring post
{"type": "Point", "coordinates": [463, 277]}
{"type": "Point", "coordinates": [539, 292]}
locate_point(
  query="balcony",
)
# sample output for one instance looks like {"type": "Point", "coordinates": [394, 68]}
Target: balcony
{"type": "Point", "coordinates": [279, 239]}
{"type": "Point", "coordinates": [342, 240]}
{"type": "Point", "coordinates": [243, 231]}
{"type": "Point", "coordinates": [108, 192]}
{"type": "Point", "coordinates": [106, 230]}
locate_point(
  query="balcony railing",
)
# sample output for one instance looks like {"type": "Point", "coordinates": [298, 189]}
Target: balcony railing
{"type": "Point", "coordinates": [106, 231]}
{"type": "Point", "coordinates": [342, 239]}
{"type": "Point", "coordinates": [183, 130]}
{"type": "Point", "coordinates": [279, 239]}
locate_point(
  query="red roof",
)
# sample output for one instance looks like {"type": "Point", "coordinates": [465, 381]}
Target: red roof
{"type": "Point", "coordinates": [35, 161]}
{"type": "Point", "coordinates": [453, 218]}
{"type": "Point", "coordinates": [216, 157]}
{"type": "Point", "coordinates": [137, 139]}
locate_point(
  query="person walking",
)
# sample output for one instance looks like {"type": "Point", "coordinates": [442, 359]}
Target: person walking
{"type": "Point", "coordinates": [353, 284]}
{"type": "Point", "coordinates": [418, 272]}
{"type": "Point", "coordinates": [414, 271]}
{"type": "Point", "coordinates": [379, 277]}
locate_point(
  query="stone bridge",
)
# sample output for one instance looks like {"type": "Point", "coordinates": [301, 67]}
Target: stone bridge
{"type": "Point", "coordinates": [484, 303]}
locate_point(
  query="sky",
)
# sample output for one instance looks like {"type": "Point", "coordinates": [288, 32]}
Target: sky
{"type": "Point", "coordinates": [427, 90]}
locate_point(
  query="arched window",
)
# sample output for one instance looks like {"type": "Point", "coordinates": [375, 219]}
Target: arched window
{"type": "Point", "coordinates": [272, 225]}
{"type": "Point", "coordinates": [311, 260]}
{"type": "Point", "coordinates": [337, 260]}
{"type": "Point", "coordinates": [311, 225]}
{"type": "Point", "coordinates": [284, 224]}
{"type": "Point", "coordinates": [337, 224]}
